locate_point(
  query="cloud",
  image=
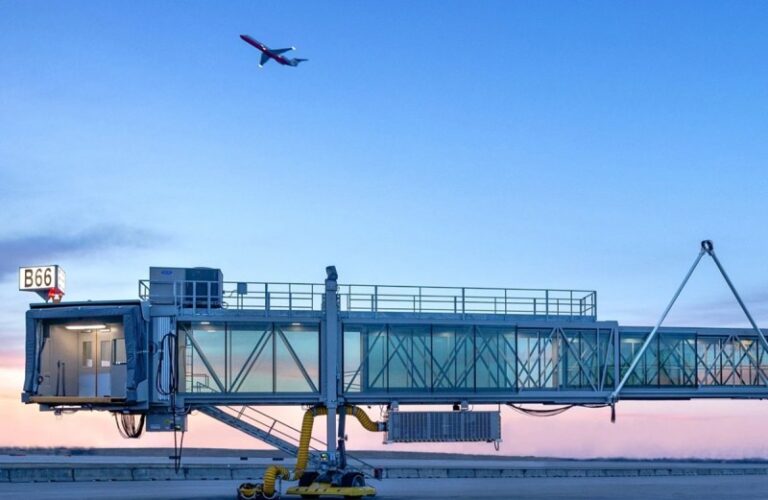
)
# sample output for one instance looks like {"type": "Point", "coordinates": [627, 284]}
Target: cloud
{"type": "Point", "coordinates": [726, 311]}
{"type": "Point", "coordinates": [17, 251]}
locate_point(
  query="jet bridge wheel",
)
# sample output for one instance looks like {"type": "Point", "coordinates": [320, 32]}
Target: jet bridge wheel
{"type": "Point", "coordinates": [308, 478]}
{"type": "Point", "coordinates": [353, 479]}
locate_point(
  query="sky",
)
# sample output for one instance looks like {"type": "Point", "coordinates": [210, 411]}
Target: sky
{"type": "Point", "coordinates": [586, 145]}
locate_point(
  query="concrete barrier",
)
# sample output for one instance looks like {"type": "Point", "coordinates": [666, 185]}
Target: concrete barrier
{"type": "Point", "coordinates": [205, 473]}
{"type": "Point", "coordinates": [247, 472]}
{"type": "Point", "coordinates": [102, 474]}
{"type": "Point", "coordinates": [156, 474]}
{"type": "Point", "coordinates": [40, 474]}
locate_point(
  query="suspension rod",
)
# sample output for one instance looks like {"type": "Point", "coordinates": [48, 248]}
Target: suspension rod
{"type": "Point", "coordinates": [615, 394]}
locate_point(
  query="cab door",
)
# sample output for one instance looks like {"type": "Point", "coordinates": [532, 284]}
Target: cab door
{"type": "Point", "coordinates": [104, 368]}
{"type": "Point", "coordinates": [86, 379]}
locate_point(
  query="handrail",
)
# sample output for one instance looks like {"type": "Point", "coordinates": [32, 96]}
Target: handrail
{"type": "Point", "coordinates": [202, 296]}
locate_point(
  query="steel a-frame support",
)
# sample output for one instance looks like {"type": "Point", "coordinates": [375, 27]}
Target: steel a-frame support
{"type": "Point", "coordinates": [706, 248]}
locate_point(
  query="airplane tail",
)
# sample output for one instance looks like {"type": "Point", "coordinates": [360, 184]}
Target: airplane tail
{"type": "Point", "coordinates": [297, 61]}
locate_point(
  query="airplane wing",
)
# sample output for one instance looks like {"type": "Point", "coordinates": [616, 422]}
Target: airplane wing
{"type": "Point", "coordinates": [264, 59]}
{"type": "Point", "coordinates": [281, 51]}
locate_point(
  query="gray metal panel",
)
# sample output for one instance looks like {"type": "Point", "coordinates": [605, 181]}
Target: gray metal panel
{"type": "Point", "coordinates": [443, 426]}
{"type": "Point", "coordinates": [160, 327]}
{"type": "Point", "coordinates": [161, 283]}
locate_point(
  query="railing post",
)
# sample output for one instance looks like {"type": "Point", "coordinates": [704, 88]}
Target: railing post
{"type": "Point", "coordinates": [546, 303]}
{"type": "Point", "coordinates": [376, 298]}
{"type": "Point", "coordinates": [594, 304]}
{"type": "Point", "coordinates": [290, 298]}
{"type": "Point", "coordinates": [463, 301]}
{"type": "Point", "coordinates": [266, 297]}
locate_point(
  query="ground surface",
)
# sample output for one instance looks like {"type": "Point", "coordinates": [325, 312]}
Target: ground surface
{"type": "Point", "coordinates": [686, 487]}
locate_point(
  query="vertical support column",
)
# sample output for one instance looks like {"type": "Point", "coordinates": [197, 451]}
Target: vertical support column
{"type": "Point", "coordinates": [330, 354]}
{"type": "Point", "coordinates": [616, 356]}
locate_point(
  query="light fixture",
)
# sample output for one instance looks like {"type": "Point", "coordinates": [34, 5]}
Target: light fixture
{"type": "Point", "coordinates": [295, 324]}
{"type": "Point", "coordinates": [94, 326]}
{"type": "Point", "coordinates": [205, 323]}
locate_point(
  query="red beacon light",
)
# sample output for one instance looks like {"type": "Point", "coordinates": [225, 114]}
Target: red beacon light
{"type": "Point", "coordinates": [55, 295]}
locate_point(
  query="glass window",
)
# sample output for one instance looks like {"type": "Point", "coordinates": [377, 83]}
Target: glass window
{"type": "Point", "coordinates": [118, 351]}
{"type": "Point", "coordinates": [105, 353]}
{"type": "Point", "coordinates": [87, 357]}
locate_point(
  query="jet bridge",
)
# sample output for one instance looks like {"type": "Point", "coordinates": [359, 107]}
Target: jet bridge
{"type": "Point", "coordinates": [196, 342]}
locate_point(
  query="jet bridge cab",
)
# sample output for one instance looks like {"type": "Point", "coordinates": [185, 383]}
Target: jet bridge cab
{"type": "Point", "coordinates": [89, 354]}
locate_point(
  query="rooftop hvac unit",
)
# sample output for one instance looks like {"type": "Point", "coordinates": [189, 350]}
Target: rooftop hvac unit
{"type": "Point", "coordinates": [188, 287]}
{"type": "Point", "coordinates": [443, 426]}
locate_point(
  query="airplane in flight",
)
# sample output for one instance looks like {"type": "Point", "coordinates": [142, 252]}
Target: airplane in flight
{"type": "Point", "coordinates": [276, 54]}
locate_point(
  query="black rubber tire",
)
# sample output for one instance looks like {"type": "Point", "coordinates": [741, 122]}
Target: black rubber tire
{"type": "Point", "coordinates": [308, 478]}
{"type": "Point", "coordinates": [354, 479]}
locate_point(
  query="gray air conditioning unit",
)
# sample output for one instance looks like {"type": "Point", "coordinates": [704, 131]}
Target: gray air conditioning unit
{"type": "Point", "coordinates": [443, 426]}
{"type": "Point", "coordinates": [187, 287]}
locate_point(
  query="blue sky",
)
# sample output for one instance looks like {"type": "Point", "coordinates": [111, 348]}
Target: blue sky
{"type": "Point", "coordinates": [521, 144]}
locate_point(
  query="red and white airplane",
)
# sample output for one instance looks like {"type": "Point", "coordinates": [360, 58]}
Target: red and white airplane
{"type": "Point", "coordinates": [267, 53]}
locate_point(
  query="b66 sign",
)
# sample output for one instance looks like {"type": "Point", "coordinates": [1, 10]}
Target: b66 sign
{"type": "Point", "coordinates": [40, 278]}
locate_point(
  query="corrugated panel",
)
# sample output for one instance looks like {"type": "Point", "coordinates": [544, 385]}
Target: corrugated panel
{"type": "Point", "coordinates": [445, 426]}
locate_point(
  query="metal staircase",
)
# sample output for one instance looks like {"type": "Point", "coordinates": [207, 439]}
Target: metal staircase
{"type": "Point", "coordinates": [272, 431]}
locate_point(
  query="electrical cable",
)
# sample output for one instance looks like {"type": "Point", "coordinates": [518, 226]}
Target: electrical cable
{"type": "Point", "coordinates": [551, 412]}
{"type": "Point", "coordinates": [126, 425]}
{"type": "Point", "coordinates": [540, 413]}
{"type": "Point", "coordinates": [168, 344]}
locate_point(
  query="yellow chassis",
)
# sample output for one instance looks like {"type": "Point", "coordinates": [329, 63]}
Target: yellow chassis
{"type": "Point", "coordinates": [326, 489]}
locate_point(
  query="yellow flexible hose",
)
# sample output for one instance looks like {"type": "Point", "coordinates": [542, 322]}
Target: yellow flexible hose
{"type": "Point", "coordinates": [362, 417]}
{"type": "Point", "coordinates": [302, 457]}
{"type": "Point", "coordinates": [271, 475]}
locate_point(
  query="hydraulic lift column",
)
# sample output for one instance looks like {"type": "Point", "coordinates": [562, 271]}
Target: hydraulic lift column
{"type": "Point", "coordinates": [331, 356]}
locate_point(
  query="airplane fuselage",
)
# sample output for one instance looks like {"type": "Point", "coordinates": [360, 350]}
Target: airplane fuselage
{"type": "Point", "coordinates": [265, 50]}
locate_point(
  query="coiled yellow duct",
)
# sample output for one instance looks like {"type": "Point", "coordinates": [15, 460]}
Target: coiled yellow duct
{"type": "Point", "coordinates": [271, 475]}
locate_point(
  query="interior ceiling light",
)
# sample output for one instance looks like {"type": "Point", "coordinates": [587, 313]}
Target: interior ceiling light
{"type": "Point", "coordinates": [94, 326]}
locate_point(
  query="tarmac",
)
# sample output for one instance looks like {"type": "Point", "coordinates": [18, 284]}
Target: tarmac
{"type": "Point", "coordinates": [634, 488]}
{"type": "Point", "coordinates": [415, 476]}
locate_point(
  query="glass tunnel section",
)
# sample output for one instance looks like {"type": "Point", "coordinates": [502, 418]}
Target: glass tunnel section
{"type": "Point", "coordinates": [478, 359]}
{"type": "Point", "coordinates": [252, 357]}
{"type": "Point", "coordinates": [404, 361]}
